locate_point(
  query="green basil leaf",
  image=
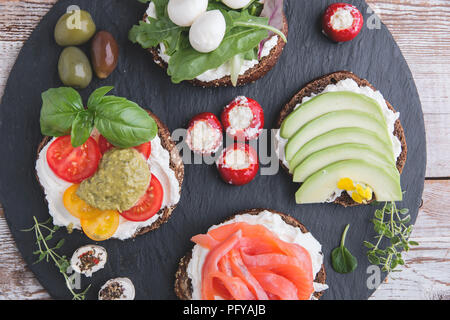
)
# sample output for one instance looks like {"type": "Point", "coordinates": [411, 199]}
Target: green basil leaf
{"type": "Point", "coordinates": [60, 106]}
{"type": "Point", "coordinates": [124, 123]}
{"type": "Point", "coordinates": [82, 127]}
{"type": "Point", "coordinates": [96, 97]}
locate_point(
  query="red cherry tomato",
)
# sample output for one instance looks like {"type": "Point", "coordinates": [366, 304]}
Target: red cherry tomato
{"type": "Point", "coordinates": [73, 164]}
{"type": "Point", "coordinates": [238, 164]}
{"type": "Point", "coordinates": [148, 205]}
{"type": "Point", "coordinates": [204, 133]}
{"type": "Point", "coordinates": [243, 119]}
{"type": "Point", "coordinates": [342, 22]}
{"type": "Point", "coordinates": [145, 148]}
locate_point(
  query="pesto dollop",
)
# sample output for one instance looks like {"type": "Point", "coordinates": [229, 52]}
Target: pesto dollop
{"type": "Point", "coordinates": [122, 178]}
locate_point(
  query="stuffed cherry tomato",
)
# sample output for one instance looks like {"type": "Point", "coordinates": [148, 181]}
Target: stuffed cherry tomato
{"type": "Point", "coordinates": [342, 22]}
{"type": "Point", "coordinates": [243, 119]}
{"type": "Point", "coordinates": [149, 204]}
{"type": "Point", "coordinates": [73, 164]}
{"type": "Point", "coordinates": [204, 133]}
{"type": "Point", "coordinates": [238, 164]}
{"type": "Point", "coordinates": [105, 145]}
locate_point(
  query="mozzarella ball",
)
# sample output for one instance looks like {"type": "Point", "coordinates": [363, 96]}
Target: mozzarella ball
{"type": "Point", "coordinates": [207, 32]}
{"type": "Point", "coordinates": [236, 4]}
{"type": "Point", "coordinates": [184, 12]}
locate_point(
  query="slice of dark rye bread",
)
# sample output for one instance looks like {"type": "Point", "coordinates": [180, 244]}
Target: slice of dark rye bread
{"type": "Point", "coordinates": [176, 164]}
{"type": "Point", "coordinates": [251, 75]}
{"type": "Point", "coordinates": [183, 286]}
{"type": "Point", "coordinates": [317, 86]}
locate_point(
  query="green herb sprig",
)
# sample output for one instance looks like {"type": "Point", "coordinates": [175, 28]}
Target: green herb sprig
{"type": "Point", "coordinates": [390, 223]}
{"type": "Point", "coordinates": [341, 258]}
{"type": "Point", "coordinates": [45, 251]}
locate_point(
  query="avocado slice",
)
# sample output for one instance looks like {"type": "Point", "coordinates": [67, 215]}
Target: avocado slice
{"type": "Point", "coordinates": [385, 182]}
{"type": "Point", "coordinates": [346, 151]}
{"type": "Point", "coordinates": [334, 120]}
{"type": "Point", "coordinates": [340, 136]}
{"type": "Point", "coordinates": [329, 102]}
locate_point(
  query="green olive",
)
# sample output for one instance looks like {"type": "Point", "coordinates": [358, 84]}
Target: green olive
{"type": "Point", "coordinates": [74, 68]}
{"type": "Point", "coordinates": [74, 28]}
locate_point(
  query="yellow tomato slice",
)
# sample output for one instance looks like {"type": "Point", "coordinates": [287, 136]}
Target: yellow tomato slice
{"type": "Point", "coordinates": [101, 227]}
{"type": "Point", "coordinates": [77, 206]}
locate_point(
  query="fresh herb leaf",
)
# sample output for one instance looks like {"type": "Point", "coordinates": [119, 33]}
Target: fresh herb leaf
{"type": "Point", "coordinates": [60, 107]}
{"type": "Point", "coordinates": [187, 63]}
{"type": "Point", "coordinates": [45, 252]}
{"type": "Point", "coordinates": [341, 258]}
{"type": "Point", "coordinates": [96, 97]}
{"type": "Point", "coordinates": [390, 223]}
{"type": "Point", "coordinates": [161, 30]}
{"type": "Point", "coordinates": [123, 123]}
{"type": "Point", "coordinates": [81, 128]}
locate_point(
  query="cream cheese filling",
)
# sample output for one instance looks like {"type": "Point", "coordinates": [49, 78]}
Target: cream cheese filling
{"type": "Point", "coordinates": [54, 189]}
{"type": "Point", "coordinates": [274, 223]}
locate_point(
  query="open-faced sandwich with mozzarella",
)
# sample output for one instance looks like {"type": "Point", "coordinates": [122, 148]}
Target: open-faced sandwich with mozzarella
{"type": "Point", "coordinates": [213, 43]}
{"type": "Point", "coordinates": [258, 254]}
{"type": "Point", "coordinates": [110, 169]}
{"type": "Point", "coordinates": [343, 141]}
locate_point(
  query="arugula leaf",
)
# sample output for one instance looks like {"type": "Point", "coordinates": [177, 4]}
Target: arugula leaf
{"type": "Point", "coordinates": [157, 31]}
{"type": "Point", "coordinates": [82, 127]}
{"type": "Point", "coordinates": [341, 258]}
{"type": "Point", "coordinates": [187, 63]}
{"type": "Point", "coordinates": [161, 8]}
{"type": "Point", "coordinates": [60, 107]}
{"type": "Point", "coordinates": [123, 122]}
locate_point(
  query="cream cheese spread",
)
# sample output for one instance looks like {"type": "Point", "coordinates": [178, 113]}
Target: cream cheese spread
{"type": "Point", "coordinates": [274, 223]}
{"type": "Point", "coordinates": [54, 189]}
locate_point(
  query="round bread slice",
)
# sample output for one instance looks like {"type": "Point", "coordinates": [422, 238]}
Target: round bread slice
{"type": "Point", "coordinates": [183, 285]}
{"type": "Point", "coordinates": [251, 75]}
{"type": "Point", "coordinates": [316, 87]}
{"type": "Point", "coordinates": [176, 164]}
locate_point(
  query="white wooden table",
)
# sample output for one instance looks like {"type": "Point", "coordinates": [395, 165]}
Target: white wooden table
{"type": "Point", "coordinates": [422, 30]}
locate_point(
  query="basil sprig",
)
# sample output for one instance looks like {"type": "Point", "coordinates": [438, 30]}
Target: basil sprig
{"type": "Point", "coordinates": [122, 122]}
{"type": "Point", "coordinates": [341, 258]}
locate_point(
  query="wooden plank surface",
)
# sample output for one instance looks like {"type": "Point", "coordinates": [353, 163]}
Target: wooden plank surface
{"type": "Point", "coordinates": [422, 30]}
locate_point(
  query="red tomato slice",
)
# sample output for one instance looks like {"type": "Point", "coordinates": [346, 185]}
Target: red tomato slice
{"type": "Point", "coordinates": [73, 164]}
{"type": "Point", "coordinates": [148, 205]}
{"type": "Point", "coordinates": [105, 145]}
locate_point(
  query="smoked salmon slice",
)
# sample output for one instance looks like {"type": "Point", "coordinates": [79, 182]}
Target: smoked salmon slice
{"type": "Point", "coordinates": [247, 262]}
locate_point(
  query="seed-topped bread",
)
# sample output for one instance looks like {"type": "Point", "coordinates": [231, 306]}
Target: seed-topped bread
{"type": "Point", "coordinates": [183, 286]}
{"type": "Point", "coordinates": [316, 87]}
{"type": "Point", "coordinates": [176, 164]}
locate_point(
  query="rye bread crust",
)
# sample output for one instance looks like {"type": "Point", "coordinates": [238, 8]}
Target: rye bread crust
{"type": "Point", "coordinates": [183, 286]}
{"type": "Point", "coordinates": [176, 164]}
{"type": "Point", "coordinates": [318, 85]}
{"type": "Point", "coordinates": [251, 75]}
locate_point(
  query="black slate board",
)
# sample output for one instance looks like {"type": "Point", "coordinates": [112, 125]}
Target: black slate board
{"type": "Point", "coordinates": [151, 260]}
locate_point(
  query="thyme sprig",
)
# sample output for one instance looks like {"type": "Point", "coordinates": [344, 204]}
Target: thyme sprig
{"type": "Point", "coordinates": [390, 223]}
{"type": "Point", "coordinates": [45, 251]}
